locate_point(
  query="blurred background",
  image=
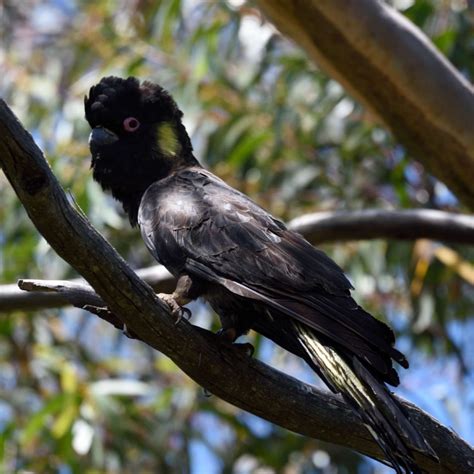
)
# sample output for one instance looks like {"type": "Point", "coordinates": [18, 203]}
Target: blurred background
{"type": "Point", "coordinates": [77, 396]}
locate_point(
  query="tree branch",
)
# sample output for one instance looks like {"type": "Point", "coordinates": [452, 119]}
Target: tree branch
{"type": "Point", "coordinates": [319, 227]}
{"type": "Point", "coordinates": [76, 293]}
{"type": "Point", "coordinates": [391, 67]}
{"type": "Point", "coordinates": [411, 224]}
{"type": "Point", "coordinates": [12, 298]}
{"type": "Point", "coordinates": [246, 383]}
{"type": "Point", "coordinates": [81, 295]}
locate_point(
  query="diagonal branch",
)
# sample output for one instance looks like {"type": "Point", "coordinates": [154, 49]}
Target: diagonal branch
{"type": "Point", "coordinates": [392, 67]}
{"type": "Point", "coordinates": [319, 227]}
{"type": "Point", "coordinates": [248, 384]}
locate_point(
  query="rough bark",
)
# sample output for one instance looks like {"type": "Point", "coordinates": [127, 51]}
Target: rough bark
{"type": "Point", "coordinates": [244, 382]}
{"type": "Point", "coordinates": [388, 64]}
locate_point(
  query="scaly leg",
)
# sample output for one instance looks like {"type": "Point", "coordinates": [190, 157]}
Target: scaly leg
{"type": "Point", "coordinates": [186, 290]}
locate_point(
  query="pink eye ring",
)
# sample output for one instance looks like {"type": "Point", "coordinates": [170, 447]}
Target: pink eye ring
{"type": "Point", "coordinates": [130, 124]}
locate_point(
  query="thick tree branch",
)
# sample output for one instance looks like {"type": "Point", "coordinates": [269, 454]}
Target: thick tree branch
{"type": "Point", "coordinates": [391, 66]}
{"type": "Point", "coordinates": [81, 295]}
{"type": "Point", "coordinates": [244, 382]}
{"type": "Point", "coordinates": [320, 227]}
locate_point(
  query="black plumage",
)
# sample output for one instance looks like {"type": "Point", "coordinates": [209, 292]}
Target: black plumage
{"type": "Point", "coordinates": [254, 272]}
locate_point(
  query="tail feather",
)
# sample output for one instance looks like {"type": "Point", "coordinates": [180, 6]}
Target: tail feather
{"type": "Point", "coordinates": [379, 411]}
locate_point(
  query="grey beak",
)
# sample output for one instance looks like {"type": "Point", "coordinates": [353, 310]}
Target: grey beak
{"type": "Point", "coordinates": [102, 136]}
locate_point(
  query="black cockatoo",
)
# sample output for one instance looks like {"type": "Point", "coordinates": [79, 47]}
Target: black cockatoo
{"type": "Point", "coordinates": [254, 272]}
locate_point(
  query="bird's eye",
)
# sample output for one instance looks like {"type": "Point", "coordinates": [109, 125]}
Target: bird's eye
{"type": "Point", "coordinates": [131, 124]}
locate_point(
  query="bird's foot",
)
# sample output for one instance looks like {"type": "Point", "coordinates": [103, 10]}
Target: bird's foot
{"type": "Point", "coordinates": [229, 335]}
{"type": "Point", "coordinates": [178, 311]}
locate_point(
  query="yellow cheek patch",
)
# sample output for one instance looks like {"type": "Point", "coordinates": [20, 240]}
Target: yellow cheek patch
{"type": "Point", "coordinates": [168, 139]}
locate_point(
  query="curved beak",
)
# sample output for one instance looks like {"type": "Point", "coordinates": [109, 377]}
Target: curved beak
{"type": "Point", "coordinates": [101, 136]}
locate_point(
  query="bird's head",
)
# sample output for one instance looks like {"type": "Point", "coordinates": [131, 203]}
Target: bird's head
{"type": "Point", "coordinates": [137, 137]}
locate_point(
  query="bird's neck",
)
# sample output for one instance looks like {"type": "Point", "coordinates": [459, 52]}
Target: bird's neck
{"type": "Point", "coordinates": [131, 194]}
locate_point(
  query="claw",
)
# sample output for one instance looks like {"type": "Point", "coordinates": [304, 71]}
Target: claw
{"type": "Point", "coordinates": [183, 313]}
{"type": "Point", "coordinates": [229, 335]}
{"type": "Point", "coordinates": [179, 312]}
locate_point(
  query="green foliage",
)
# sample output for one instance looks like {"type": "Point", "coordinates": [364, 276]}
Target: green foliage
{"type": "Point", "coordinates": [76, 396]}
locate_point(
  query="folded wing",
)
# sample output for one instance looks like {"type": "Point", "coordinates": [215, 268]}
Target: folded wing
{"type": "Point", "coordinates": [200, 225]}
